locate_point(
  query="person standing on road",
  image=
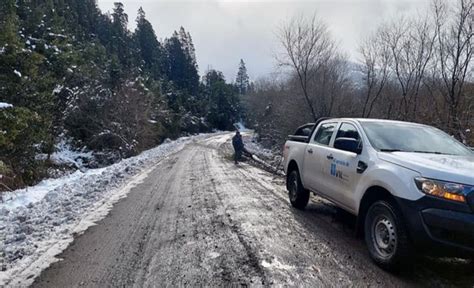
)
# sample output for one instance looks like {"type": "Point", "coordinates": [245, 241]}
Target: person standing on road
{"type": "Point", "coordinates": [238, 146]}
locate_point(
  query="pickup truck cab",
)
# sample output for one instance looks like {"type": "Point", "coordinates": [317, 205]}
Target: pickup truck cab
{"type": "Point", "coordinates": [411, 186]}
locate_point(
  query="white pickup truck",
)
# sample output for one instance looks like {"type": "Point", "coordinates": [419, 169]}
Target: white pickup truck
{"type": "Point", "coordinates": [411, 186]}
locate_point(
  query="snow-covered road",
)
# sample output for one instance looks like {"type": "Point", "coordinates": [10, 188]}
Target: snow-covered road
{"type": "Point", "coordinates": [196, 219]}
{"type": "Point", "coordinates": [39, 222]}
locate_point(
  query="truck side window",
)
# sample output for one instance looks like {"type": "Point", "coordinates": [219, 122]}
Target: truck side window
{"type": "Point", "coordinates": [348, 131]}
{"type": "Point", "coordinates": [323, 136]}
{"type": "Point", "coordinates": [304, 131]}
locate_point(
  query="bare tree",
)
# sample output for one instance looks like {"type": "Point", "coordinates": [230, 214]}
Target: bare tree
{"type": "Point", "coordinates": [414, 69]}
{"type": "Point", "coordinates": [454, 52]}
{"type": "Point", "coordinates": [375, 67]}
{"type": "Point", "coordinates": [330, 83]}
{"type": "Point", "coordinates": [307, 46]}
{"type": "Point", "coordinates": [411, 43]}
{"type": "Point", "coordinates": [268, 102]}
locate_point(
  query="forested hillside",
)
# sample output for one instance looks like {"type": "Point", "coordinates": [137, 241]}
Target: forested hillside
{"type": "Point", "coordinates": [73, 77]}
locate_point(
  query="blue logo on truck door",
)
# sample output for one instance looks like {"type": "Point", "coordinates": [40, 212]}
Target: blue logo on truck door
{"type": "Point", "coordinates": [338, 173]}
{"type": "Point", "coordinates": [333, 169]}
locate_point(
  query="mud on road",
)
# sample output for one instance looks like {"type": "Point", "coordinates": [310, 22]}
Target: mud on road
{"type": "Point", "coordinates": [200, 220]}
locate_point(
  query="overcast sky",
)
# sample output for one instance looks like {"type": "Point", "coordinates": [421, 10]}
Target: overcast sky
{"type": "Point", "coordinates": [224, 31]}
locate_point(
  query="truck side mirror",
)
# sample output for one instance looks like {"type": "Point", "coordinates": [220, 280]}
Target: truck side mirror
{"type": "Point", "coordinates": [348, 144]}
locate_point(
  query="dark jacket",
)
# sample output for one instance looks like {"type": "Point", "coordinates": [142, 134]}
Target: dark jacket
{"type": "Point", "coordinates": [238, 143]}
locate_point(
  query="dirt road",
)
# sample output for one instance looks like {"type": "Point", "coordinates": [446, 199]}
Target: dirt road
{"type": "Point", "coordinates": [199, 220]}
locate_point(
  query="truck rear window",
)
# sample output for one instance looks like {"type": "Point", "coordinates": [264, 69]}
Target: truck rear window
{"type": "Point", "coordinates": [304, 131]}
{"type": "Point", "coordinates": [324, 133]}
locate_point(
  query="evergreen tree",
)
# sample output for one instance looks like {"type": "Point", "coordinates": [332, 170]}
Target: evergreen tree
{"type": "Point", "coordinates": [187, 44]}
{"type": "Point", "coordinates": [181, 68]}
{"type": "Point", "coordinates": [213, 77]}
{"type": "Point", "coordinates": [242, 79]}
{"type": "Point", "coordinates": [83, 18]}
{"type": "Point", "coordinates": [121, 43]}
{"type": "Point", "coordinates": [224, 106]}
{"type": "Point", "coordinates": [74, 74]}
{"type": "Point", "coordinates": [24, 127]}
{"type": "Point", "coordinates": [8, 24]}
{"type": "Point", "coordinates": [150, 48]}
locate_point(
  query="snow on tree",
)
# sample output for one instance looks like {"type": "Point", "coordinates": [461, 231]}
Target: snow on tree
{"type": "Point", "coordinates": [75, 74]}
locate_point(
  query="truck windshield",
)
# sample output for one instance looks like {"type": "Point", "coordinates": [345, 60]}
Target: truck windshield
{"type": "Point", "coordinates": [406, 137]}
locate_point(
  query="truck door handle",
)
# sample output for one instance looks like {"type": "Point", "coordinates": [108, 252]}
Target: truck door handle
{"type": "Point", "coordinates": [330, 157]}
{"type": "Point", "coordinates": [310, 151]}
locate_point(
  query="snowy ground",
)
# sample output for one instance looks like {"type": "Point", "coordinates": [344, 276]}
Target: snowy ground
{"type": "Point", "coordinates": [267, 159]}
{"type": "Point", "coordinates": [38, 223]}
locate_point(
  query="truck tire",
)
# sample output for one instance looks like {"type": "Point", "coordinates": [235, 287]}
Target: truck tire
{"type": "Point", "coordinates": [299, 196]}
{"type": "Point", "coordinates": [386, 236]}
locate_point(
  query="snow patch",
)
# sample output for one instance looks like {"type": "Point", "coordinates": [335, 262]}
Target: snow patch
{"type": "Point", "coordinates": [58, 89]}
{"type": "Point", "coordinates": [270, 160]}
{"type": "Point", "coordinates": [214, 255]}
{"type": "Point", "coordinates": [66, 155]}
{"type": "Point", "coordinates": [4, 105]}
{"type": "Point", "coordinates": [30, 195]}
{"type": "Point", "coordinates": [275, 264]}
{"type": "Point", "coordinates": [241, 127]}
{"type": "Point", "coordinates": [57, 35]}
{"type": "Point", "coordinates": [17, 73]}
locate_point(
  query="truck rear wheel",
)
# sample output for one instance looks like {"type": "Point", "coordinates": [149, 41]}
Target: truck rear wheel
{"type": "Point", "coordinates": [299, 196]}
{"type": "Point", "coordinates": [386, 236]}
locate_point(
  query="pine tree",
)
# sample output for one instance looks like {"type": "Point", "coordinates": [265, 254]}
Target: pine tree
{"type": "Point", "coordinates": [10, 49]}
{"type": "Point", "coordinates": [120, 18]}
{"type": "Point", "coordinates": [224, 106]}
{"type": "Point", "coordinates": [187, 44]}
{"type": "Point", "coordinates": [242, 79]}
{"type": "Point", "coordinates": [121, 43]}
{"type": "Point", "coordinates": [74, 74]}
{"type": "Point", "coordinates": [181, 67]}
{"type": "Point", "coordinates": [8, 23]}
{"type": "Point", "coordinates": [22, 85]}
{"type": "Point", "coordinates": [150, 48]}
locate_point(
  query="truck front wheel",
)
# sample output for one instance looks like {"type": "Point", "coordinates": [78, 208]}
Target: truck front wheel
{"type": "Point", "coordinates": [386, 236]}
{"type": "Point", "coordinates": [299, 196]}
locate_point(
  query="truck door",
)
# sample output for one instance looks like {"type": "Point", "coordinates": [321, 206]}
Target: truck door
{"type": "Point", "coordinates": [312, 167]}
{"type": "Point", "coordinates": [340, 171]}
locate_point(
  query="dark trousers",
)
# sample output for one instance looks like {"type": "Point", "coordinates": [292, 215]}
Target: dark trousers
{"type": "Point", "coordinates": [237, 155]}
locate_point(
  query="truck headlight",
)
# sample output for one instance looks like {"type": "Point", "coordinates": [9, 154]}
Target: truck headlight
{"type": "Point", "coordinates": [451, 191]}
